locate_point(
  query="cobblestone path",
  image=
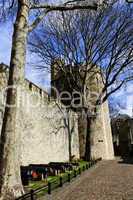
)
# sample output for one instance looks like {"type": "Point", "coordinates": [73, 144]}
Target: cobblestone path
{"type": "Point", "coordinates": [109, 180]}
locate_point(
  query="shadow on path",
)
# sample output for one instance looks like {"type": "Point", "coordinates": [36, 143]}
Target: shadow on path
{"type": "Point", "coordinates": [126, 160]}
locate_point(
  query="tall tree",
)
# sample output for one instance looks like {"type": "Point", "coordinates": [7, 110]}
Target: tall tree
{"type": "Point", "coordinates": [10, 181]}
{"type": "Point", "coordinates": [92, 48]}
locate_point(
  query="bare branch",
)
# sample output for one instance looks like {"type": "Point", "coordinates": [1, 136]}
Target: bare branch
{"type": "Point", "coordinates": [37, 21]}
{"type": "Point", "coordinates": [73, 1]}
{"type": "Point", "coordinates": [12, 4]}
{"type": "Point", "coordinates": [64, 7]}
{"type": "Point", "coordinates": [112, 91]}
{"type": "Point", "coordinates": [86, 41]}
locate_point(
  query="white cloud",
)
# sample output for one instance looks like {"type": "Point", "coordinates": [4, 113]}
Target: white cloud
{"type": "Point", "coordinates": [125, 97]}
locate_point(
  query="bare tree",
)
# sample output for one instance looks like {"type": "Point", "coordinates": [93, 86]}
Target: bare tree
{"type": "Point", "coordinates": [10, 181]}
{"type": "Point", "coordinates": [65, 120]}
{"type": "Point", "coordinates": [86, 46]}
{"type": "Point", "coordinates": [68, 125]}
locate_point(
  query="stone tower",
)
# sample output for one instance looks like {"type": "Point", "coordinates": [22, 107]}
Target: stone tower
{"type": "Point", "coordinates": [100, 129]}
{"type": "Point", "coordinates": [101, 144]}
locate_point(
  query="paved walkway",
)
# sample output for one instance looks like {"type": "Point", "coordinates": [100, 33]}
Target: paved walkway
{"type": "Point", "coordinates": [109, 180]}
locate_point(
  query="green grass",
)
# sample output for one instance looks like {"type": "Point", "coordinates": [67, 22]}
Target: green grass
{"type": "Point", "coordinates": [82, 163]}
{"type": "Point", "coordinates": [37, 184]}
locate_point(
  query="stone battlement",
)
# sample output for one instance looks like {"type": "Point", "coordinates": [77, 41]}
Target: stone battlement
{"type": "Point", "coordinates": [34, 88]}
{"type": "Point", "coordinates": [4, 72]}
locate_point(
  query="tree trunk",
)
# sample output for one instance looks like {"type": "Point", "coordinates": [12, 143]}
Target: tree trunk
{"type": "Point", "coordinates": [88, 139]}
{"type": "Point", "coordinates": [82, 130]}
{"type": "Point", "coordinates": [10, 180]}
{"type": "Point", "coordinates": [69, 136]}
{"type": "Point", "coordinates": [70, 146]}
{"type": "Point", "coordinates": [84, 127]}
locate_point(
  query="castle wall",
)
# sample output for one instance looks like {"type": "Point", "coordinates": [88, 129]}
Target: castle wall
{"type": "Point", "coordinates": [3, 83]}
{"type": "Point", "coordinates": [40, 127]}
{"type": "Point", "coordinates": [44, 137]}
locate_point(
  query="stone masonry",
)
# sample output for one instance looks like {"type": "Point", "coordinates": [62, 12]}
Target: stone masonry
{"type": "Point", "coordinates": [40, 122]}
{"type": "Point", "coordinates": [43, 135]}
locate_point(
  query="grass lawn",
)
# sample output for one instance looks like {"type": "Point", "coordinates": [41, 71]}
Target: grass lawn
{"type": "Point", "coordinates": [37, 184]}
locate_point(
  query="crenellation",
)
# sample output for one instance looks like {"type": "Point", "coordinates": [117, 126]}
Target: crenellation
{"type": "Point", "coordinates": [37, 90]}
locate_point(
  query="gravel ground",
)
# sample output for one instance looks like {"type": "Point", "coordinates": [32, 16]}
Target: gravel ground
{"type": "Point", "coordinates": [109, 180]}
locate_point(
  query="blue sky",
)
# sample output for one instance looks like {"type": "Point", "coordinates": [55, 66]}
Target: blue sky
{"type": "Point", "coordinates": [42, 79]}
{"type": "Point", "coordinates": [6, 41]}
{"type": "Point", "coordinates": [124, 96]}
